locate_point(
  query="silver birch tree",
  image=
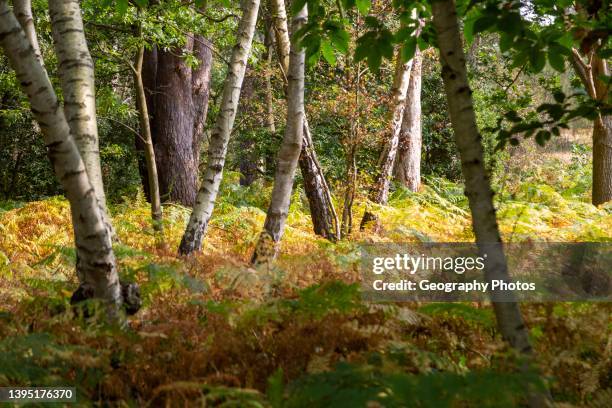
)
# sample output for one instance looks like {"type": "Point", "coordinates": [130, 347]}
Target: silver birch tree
{"type": "Point", "coordinates": [289, 153]}
{"type": "Point", "coordinates": [217, 151]}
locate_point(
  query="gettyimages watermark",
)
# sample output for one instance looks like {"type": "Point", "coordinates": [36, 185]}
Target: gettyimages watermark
{"type": "Point", "coordinates": [538, 272]}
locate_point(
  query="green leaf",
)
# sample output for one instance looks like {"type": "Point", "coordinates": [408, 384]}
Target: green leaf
{"type": "Point", "coordinates": [339, 39]}
{"type": "Point", "coordinates": [408, 49]}
{"type": "Point", "coordinates": [483, 23]}
{"type": "Point", "coordinates": [505, 42]}
{"type": "Point", "coordinates": [122, 6]}
{"type": "Point", "coordinates": [556, 60]}
{"type": "Point", "coordinates": [363, 6]}
{"type": "Point", "coordinates": [328, 52]}
{"type": "Point", "coordinates": [559, 96]}
{"type": "Point", "coordinates": [537, 59]}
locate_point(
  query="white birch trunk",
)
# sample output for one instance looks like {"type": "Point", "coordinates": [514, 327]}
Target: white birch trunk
{"type": "Point", "coordinates": [322, 211]}
{"type": "Point", "coordinates": [205, 200]}
{"type": "Point", "coordinates": [281, 31]}
{"type": "Point", "coordinates": [289, 153]}
{"type": "Point", "coordinates": [380, 191]}
{"type": "Point", "coordinates": [477, 184]}
{"type": "Point", "coordinates": [408, 168]}
{"type": "Point", "coordinates": [23, 12]}
{"type": "Point", "coordinates": [76, 72]}
{"type": "Point", "coordinates": [96, 266]}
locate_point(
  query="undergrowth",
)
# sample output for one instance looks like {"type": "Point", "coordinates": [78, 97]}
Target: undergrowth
{"type": "Point", "coordinates": [215, 332]}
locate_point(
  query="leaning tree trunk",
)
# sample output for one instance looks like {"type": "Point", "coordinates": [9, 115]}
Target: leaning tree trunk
{"type": "Point", "coordinates": [96, 266]}
{"type": "Point", "coordinates": [380, 191]}
{"type": "Point", "coordinates": [590, 73]}
{"type": "Point", "coordinates": [76, 72]}
{"type": "Point", "coordinates": [322, 211]}
{"type": "Point", "coordinates": [408, 167]}
{"type": "Point", "coordinates": [205, 201]}
{"type": "Point", "coordinates": [147, 142]}
{"type": "Point", "coordinates": [477, 184]}
{"type": "Point", "coordinates": [23, 12]}
{"type": "Point", "coordinates": [288, 154]}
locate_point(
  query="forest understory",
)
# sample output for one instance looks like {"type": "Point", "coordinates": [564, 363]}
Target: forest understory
{"type": "Point", "coordinates": [214, 331]}
{"type": "Point", "coordinates": [199, 198]}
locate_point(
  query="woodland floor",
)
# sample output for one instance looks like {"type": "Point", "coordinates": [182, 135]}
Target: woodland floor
{"type": "Point", "coordinates": [213, 329]}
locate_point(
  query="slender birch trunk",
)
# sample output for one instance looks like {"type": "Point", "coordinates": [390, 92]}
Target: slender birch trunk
{"type": "Point", "coordinates": [76, 72]}
{"type": "Point", "coordinates": [408, 168]}
{"type": "Point", "coordinates": [23, 12]}
{"type": "Point", "coordinates": [322, 211]}
{"type": "Point", "coordinates": [205, 200]}
{"type": "Point", "coordinates": [477, 184]}
{"type": "Point", "coordinates": [380, 191]}
{"type": "Point", "coordinates": [590, 74]}
{"type": "Point", "coordinates": [96, 266]}
{"type": "Point", "coordinates": [281, 33]}
{"type": "Point", "coordinates": [147, 140]}
{"type": "Point", "coordinates": [289, 153]}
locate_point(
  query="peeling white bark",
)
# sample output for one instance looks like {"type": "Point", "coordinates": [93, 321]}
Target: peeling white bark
{"type": "Point", "coordinates": [205, 200]}
{"type": "Point", "coordinates": [291, 146]}
{"type": "Point", "coordinates": [477, 184]}
{"type": "Point", "coordinates": [23, 12]}
{"type": "Point", "coordinates": [408, 168]}
{"type": "Point", "coordinates": [96, 266]}
{"type": "Point", "coordinates": [76, 72]}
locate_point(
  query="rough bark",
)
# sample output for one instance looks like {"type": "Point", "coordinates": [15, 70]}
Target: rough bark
{"type": "Point", "coordinates": [247, 160]}
{"type": "Point", "coordinates": [96, 266]}
{"type": "Point", "coordinates": [177, 98]}
{"type": "Point", "coordinates": [408, 168]}
{"type": "Point", "coordinates": [322, 210]}
{"type": "Point", "coordinates": [602, 160]}
{"type": "Point", "coordinates": [477, 184]}
{"type": "Point", "coordinates": [590, 74]}
{"type": "Point", "coordinates": [76, 72]}
{"type": "Point", "coordinates": [289, 153]}
{"type": "Point", "coordinates": [281, 32]}
{"type": "Point", "coordinates": [380, 191]}
{"type": "Point", "coordinates": [205, 201]}
{"type": "Point", "coordinates": [147, 142]}
{"type": "Point", "coordinates": [174, 127]}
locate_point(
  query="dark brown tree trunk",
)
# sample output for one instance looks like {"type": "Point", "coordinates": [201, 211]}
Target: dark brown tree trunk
{"type": "Point", "coordinates": [602, 160]}
{"type": "Point", "coordinates": [590, 73]}
{"type": "Point", "coordinates": [174, 126]}
{"type": "Point", "coordinates": [177, 97]}
{"type": "Point", "coordinates": [247, 161]}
